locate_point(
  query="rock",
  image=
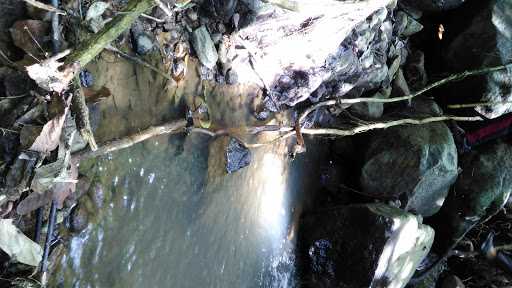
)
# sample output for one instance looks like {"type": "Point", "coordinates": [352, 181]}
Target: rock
{"type": "Point", "coordinates": [400, 86]}
{"type": "Point", "coordinates": [431, 279]}
{"type": "Point", "coordinates": [204, 47]}
{"type": "Point", "coordinates": [143, 43]}
{"type": "Point", "coordinates": [492, 47]}
{"type": "Point", "coordinates": [86, 78]}
{"type": "Point", "coordinates": [369, 110]}
{"type": "Point", "coordinates": [237, 156]}
{"type": "Point", "coordinates": [79, 219]}
{"type": "Point", "coordinates": [414, 71]}
{"type": "Point", "coordinates": [412, 27]}
{"type": "Point", "coordinates": [480, 191]}
{"type": "Point", "coordinates": [370, 245]}
{"type": "Point", "coordinates": [223, 9]}
{"type": "Point", "coordinates": [97, 195]}
{"type": "Point", "coordinates": [426, 106]}
{"type": "Point", "coordinates": [416, 164]}
{"type": "Point", "coordinates": [405, 25]}
{"type": "Point", "coordinates": [318, 49]}
{"type": "Point", "coordinates": [231, 77]}
{"type": "Point", "coordinates": [434, 5]}
{"type": "Point", "coordinates": [452, 281]}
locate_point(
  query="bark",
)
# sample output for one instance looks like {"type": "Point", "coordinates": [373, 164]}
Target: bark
{"type": "Point", "coordinates": [91, 47]}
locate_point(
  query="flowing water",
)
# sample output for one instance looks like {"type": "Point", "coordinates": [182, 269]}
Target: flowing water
{"type": "Point", "coordinates": [172, 216]}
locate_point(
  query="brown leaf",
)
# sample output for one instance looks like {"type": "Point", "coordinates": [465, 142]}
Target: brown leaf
{"type": "Point", "coordinates": [48, 75]}
{"type": "Point", "coordinates": [25, 34]}
{"type": "Point", "coordinates": [94, 96]}
{"type": "Point", "coordinates": [48, 139]}
{"type": "Point", "coordinates": [33, 201]}
{"type": "Point", "coordinates": [59, 191]}
{"type": "Point", "coordinates": [62, 190]}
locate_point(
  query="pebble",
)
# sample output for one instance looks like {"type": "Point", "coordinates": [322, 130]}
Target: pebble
{"type": "Point", "coordinates": [231, 77]}
{"type": "Point", "coordinates": [79, 219]}
{"type": "Point", "coordinates": [144, 44]}
{"type": "Point", "coordinates": [86, 78]}
{"type": "Point", "coordinates": [204, 47]}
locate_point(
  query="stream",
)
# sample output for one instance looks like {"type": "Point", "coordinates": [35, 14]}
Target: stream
{"type": "Point", "coordinates": [173, 217]}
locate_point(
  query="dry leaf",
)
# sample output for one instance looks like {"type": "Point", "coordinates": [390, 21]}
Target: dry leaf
{"type": "Point", "coordinates": [49, 77]}
{"type": "Point", "coordinates": [50, 183]}
{"type": "Point", "coordinates": [18, 246]}
{"type": "Point", "coordinates": [30, 36]}
{"type": "Point", "coordinates": [94, 96]}
{"type": "Point", "coordinates": [48, 139]}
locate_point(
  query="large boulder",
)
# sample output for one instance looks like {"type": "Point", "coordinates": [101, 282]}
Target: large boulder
{"type": "Point", "coordinates": [371, 245]}
{"type": "Point", "coordinates": [493, 46]}
{"type": "Point", "coordinates": [315, 47]}
{"type": "Point", "coordinates": [481, 190]}
{"type": "Point", "coordinates": [416, 164]}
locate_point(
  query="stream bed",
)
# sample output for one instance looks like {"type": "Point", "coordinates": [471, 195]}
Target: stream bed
{"type": "Point", "coordinates": [172, 217]}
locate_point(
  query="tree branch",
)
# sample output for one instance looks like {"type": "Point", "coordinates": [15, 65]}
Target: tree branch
{"type": "Point", "coordinates": [128, 141]}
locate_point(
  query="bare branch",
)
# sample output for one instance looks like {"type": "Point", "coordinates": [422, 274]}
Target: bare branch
{"type": "Point", "coordinates": [471, 105]}
{"type": "Point", "coordinates": [128, 141]}
{"type": "Point", "coordinates": [44, 6]}
{"type": "Point", "coordinates": [138, 61]}
{"type": "Point", "coordinates": [164, 8]}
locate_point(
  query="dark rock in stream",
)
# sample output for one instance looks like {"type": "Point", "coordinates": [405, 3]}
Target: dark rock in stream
{"type": "Point", "coordinates": [481, 190]}
{"type": "Point", "coordinates": [143, 44]}
{"type": "Point", "coordinates": [371, 245]}
{"type": "Point", "coordinates": [416, 164]}
{"type": "Point", "coordinates": [237, 156]}
{"type": "Point", "coordinates": [79, 219]}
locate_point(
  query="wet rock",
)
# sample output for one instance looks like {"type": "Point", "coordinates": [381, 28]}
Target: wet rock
{"type": "Point", "coordinates": [492, 47]}
{"type": "Point", "coordinates": [416, 164]}
{"type": "Point", "coordinates": [414, 71]}
{"type": "Point", "coordinates": [143, 44]}
{"type": "Point", "coordinates": [231, 77]}
{"type": "Point", "coordinates": [431, 279]}
{"type": "Point", "coordinates": [434, 5]}
{"type": "Point", "coordinates": [405, 25]}
{"type": "Point", "coordinates": [426, 106]}
{"type": "Point", "coordinates": [79, 219]}
{"type": "Point", "coordinates": [371, 245]}
{"type": "Point", "coordinates": [342, 53]}
{"type": "Point", "coordinates": [481, 190]}
{"type": "Point", "coordinates": [452, 281]}
{"type": "Point", "coordinates": [204, 47]}
{"type": "Point", "coordinates": [83, 185]}
{"type": "Point", "coordinates": [369, 110]}
{"type": "Point", "coordinates": [86, 78]}
{"type": "Point", "coordinates": [97, 195]}
{"type": "Point", "coordinates": [400, 86]}
{"type": "Point", "coordinates": [223, 9]}
{"type": "Point", "coordinates": [237, 156]}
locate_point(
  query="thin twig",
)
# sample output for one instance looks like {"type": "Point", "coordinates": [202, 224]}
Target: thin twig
{"type": "Point", "coordinates": [8, 130]}
{"type": "Point", "coordinates": [366, 128]}
{"type": "Point", "coordinates": [44, 6]}
{"type": "Point", "coordinates": [138, 61]}
{"type": "Point", "coordinates": [15, 96]}
{"type": "Point", "coordinates": [146, 16]}
{"type": "Point", "coordinates": [471, 105]}
{"type": "Point", "coordinates": [504, 247]}
{"type": "Point", "coordinates": [164, 8]}
{"type": "Point", "coordinates": [128, 141]}
{"type": "Point", "coordinates": [454, 77]}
